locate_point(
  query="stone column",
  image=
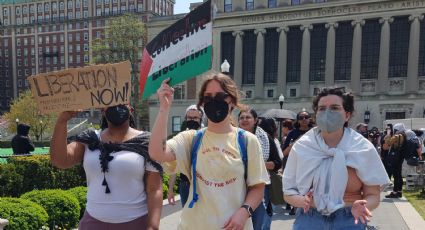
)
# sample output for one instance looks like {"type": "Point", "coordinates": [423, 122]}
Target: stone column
{"type": "Point", "coordinates": [330, 54]}
{"type": "Point", "coordinates": [305, 61]}
{"type": "Point", "coordinates": [413, 61]}
{"type": "Point", "coordinates": [216, 42]}
{"type": "Point", "coordinates": [282, 61]}
{"type": "Point", "coordinates": [384, 55]}
{"type": "Point", "coordinates": [356, 56]}
{"type": "Point", "coordinates": [65, 34]}
{"type": "Point", "coordinates": [259, 63]}
{"type": "Point", "coordinates": [237, 71]}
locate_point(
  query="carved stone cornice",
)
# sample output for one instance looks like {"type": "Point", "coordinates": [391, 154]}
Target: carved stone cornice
{"type": "Point", "coordinates": [360, 22]}
{"type": "Point", "coordinates": [331, 24]}
{"type": "Point", "coordinates": [259, 31]}
{"type": "Point", "coordinates": [386, 19]}
{"type": "Point", "coordinates": [238, 33]}
{"type": "Point", "coordinates": [304, 27]}
{"type": "Point", "coordinates": [284, 29]}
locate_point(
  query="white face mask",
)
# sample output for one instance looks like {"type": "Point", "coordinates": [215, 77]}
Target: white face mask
{"type": "Point", "coordinates": [329, 121]}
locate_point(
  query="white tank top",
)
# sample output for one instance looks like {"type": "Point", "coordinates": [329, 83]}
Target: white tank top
{"type": "Point", "coordinates": [127, 199]}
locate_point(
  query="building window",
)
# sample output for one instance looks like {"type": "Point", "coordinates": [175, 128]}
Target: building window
{"type": "Point", "coordinates": [86, 36]}
{"type": "Point", "coordinates": [295, 2]}
{"type": "Point", "coordinates": [86, 58]}
{"type": "Point", "coordinates": [318, 41]}
{"type": "Point", "coordinates": [272, 3]}
{"type": "Point", "coordinates": [70, 4]}
{"type": "Point", "coordinates": [86, 47]}
{"type": "Point", "coordinates": [399, 47]}
{"type": "Point", "coordinates": [18, 10]}
{"type": "Point", "coordinates": [249, 4]}
{"type": "Point", "coordinates": [343, 50]}
{"type": "Point", "coordinates": [46, 7]}
{"type": "Point", "coordinates": [371, 40]}
{"type": "Point", "coordinates": [180, 92]}
{"type": "Point", "coordinates": [271, 54]}
{"type": "Point", "coordinates": [395, 115]}
{"type": "Point", "coordinates": [421, 67]}
{"type": "Point", "coordinates": [270, 93]}
{"type": "Point", "coordinates": [25, 10]}
{"type": "Point", "coordinates": [227, 5]}
{"type": "Point", "coordinates": [228, 49]}
{"type": "Point", "coordinates": [248, 59]}
{"type": "Point", "coordinates": [18, 52]}
{"type": "Point", "coordinates": [176, 123]}
{"type": "Point", "coordinates": [293, 63]}
{"type": "Point", "coordinates": [292, 92]}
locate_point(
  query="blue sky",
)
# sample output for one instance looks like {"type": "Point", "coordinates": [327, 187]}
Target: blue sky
{"type": "Point", "coordinates": [182, 6]}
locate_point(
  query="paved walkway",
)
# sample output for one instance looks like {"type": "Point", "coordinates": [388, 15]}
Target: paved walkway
{"type": "Point", "coordinates": [397, 214]}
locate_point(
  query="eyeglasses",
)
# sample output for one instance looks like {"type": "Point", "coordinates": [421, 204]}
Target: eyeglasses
{"type": "Point", "coordinates": [303, 117]}
{"type": "Point", "coordinates": [220, 96]}
{"type": "Point", "coordinates": [245, 118]}
{"type": "Point", "coordinates": [193, 118]}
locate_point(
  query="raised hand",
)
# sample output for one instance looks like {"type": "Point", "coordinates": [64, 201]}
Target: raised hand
{"type": "Point", "coordinates": [165, 94]}
{"type": "Point", "coordinates": [360, 211]}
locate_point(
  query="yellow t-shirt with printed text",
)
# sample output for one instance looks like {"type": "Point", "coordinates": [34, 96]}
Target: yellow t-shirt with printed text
{"type": "Point", "coordinates": [220, 181]}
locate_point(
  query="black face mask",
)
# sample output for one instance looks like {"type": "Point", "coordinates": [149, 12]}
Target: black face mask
{"type": "Point", "coordinates": [117, 115]}
{"type": "Point", "coordinates": [216, 111]}
{"type": "Point", "coordinates": [191, 124]}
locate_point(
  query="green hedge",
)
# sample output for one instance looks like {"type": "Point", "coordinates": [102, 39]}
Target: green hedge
{"type": "Point", "coordinates": [22, 214]}
{"type": "Point", "coordinates": [81, 194]}
{"type": "Point", "coordinates": [62, 207]}
{"type": "Point", "coordinates": [25, 173]}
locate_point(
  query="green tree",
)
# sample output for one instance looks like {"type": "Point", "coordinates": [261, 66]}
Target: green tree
{"type": "Point", "coordinates": [24, 108]}
{"type": "Point", "coordinates": [125, 38]}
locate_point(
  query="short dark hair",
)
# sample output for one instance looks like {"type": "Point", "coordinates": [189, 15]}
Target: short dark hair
{"type": "Point", "coordinates": [347, 99]}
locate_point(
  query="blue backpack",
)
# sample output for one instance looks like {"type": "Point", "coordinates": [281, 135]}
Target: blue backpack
{"type": "Point", "coordinates": [196, 143]}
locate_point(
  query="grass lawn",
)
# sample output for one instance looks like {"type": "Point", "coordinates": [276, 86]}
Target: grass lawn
{"type": "Point", "coordinates": [417, 199]}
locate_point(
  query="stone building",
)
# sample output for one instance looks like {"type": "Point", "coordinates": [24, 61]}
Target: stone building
{"type": "Point", "coordinates": [374, 48]}
{"type": "Point", "coordinates": [39, 36]}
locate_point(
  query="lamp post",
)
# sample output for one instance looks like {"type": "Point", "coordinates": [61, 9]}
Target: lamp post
{"type": "Point", "coordinates": [225, 67]}
{"type": "Point", "coordinates": [367, 116]}
{"type": "Point", "coordinates": [17, 123]}
{"type": "Point", "coordinates": [281, 100]}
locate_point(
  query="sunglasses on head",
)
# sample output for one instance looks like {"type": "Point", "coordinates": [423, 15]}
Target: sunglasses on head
{"type": "Point", "coordinates": [220, 96]}
{"type": "Point", "coordinates": [302, 117]}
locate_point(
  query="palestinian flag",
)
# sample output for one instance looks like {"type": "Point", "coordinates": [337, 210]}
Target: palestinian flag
{"type": "Point", "coordinates": [180, 52]}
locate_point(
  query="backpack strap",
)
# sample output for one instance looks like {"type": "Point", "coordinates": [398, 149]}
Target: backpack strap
{"type": "Point", "coordinates": [196, 143]}
{"type": "Point", "coordinates": [243, 147]}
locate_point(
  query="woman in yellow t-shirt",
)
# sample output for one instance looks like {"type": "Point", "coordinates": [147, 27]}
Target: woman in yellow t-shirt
{"type": "Point", "coordinates": [225, 198]}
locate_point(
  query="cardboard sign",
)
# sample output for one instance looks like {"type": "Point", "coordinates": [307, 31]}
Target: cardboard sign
{"type": "Point", "coordinates": [180, 52]}
{"type": "Point", "coordinates": [96, 86]}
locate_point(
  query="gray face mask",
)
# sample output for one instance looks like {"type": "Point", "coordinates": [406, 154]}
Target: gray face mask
{"type": "Point", "coordinates": [329, 121]}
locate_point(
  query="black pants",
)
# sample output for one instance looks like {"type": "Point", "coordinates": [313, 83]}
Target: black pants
{"type": "Point", "coordinates": [398, 179]}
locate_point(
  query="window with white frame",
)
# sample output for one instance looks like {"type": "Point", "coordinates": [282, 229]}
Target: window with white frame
{"type": "Point", "coordinates": [180, 92]}
{"type": "Point", "coordinates": [227, 5]}
{"type": "Point", "coordinates": [176, 123]}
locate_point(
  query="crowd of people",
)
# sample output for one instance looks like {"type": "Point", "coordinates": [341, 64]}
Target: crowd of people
{"type": "Point", "coordinates": [235, 172]}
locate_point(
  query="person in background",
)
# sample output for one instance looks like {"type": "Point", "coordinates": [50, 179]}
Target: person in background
{"type": "Point", "coordinates": [333, 176]}
{"type": "Point", "coordinates": [301, 126]}
{"type": "Point", "coordinates": [193, 120]}
{"type": "Point", "coordinates": [273, 192]}
{"type": "Point", "coordinates": [225, 189]}
{"type": "Point", "coordinates": [287, 126]}
{"type": "Point", "coordinates": [248, 120]}
{"type": "Point", "coordinates": [21, 142]}
{"type": "Point", "coordinates": [404, 144]}
{"type": "Point", "coordinates": [362, 129]}
{"type": "Point", "coordinates": [386, 156]}
{"type": "Point", "coordinates": [124, 186]}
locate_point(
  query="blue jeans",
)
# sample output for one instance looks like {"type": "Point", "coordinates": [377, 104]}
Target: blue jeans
{"type": "Point", "coordinates": [184, 187]}
{"type": "Point", "coordinates": [313, 220]}
{"type": "Point", "coordinates": [260, 219]}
